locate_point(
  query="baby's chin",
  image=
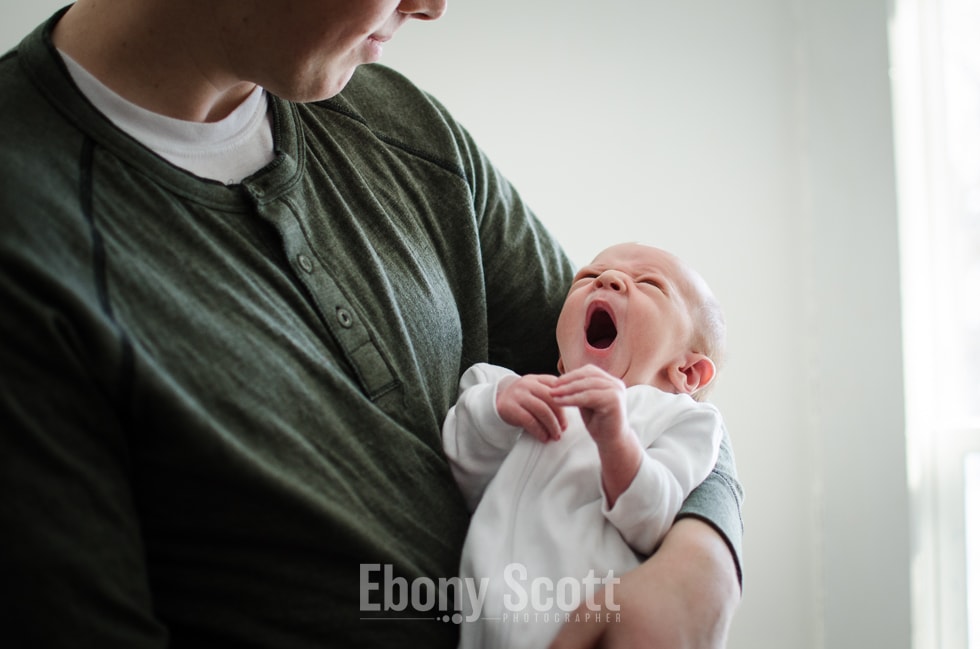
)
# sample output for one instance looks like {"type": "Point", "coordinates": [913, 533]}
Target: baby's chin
{"type": "Point", "coordinates": [605, 364]}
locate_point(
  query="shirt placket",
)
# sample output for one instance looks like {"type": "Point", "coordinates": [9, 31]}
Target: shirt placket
{"type": "Point", "coordinates": [345, 324]}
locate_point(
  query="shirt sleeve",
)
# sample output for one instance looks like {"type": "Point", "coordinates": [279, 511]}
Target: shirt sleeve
{"type": "Point", "coordinates": [526, 272]}
{"type": "Point", "coordinates": [718, 501]}
{"type": "Point", "coordinates": [474, 436]}
{"type": "Point", "coordinates": [679, 459]}
{"type": "Point", "coordinates": [73, 563]}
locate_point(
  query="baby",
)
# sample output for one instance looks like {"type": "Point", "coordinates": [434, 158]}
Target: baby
{"type": "Point", "coordinates": [576, 478]}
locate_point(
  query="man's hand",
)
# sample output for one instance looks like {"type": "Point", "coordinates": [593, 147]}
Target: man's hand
{"type": "Point", "coordinates": [527, 402]}
{"type": "Point", "coordinates": [683, 597]}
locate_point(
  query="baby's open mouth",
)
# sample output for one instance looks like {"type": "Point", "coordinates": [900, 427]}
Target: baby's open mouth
{"type": "Point", "coordinates": [600, 332]}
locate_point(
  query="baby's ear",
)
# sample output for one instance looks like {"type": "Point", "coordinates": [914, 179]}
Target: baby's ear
{"type": "Point", "coordinates": [693, 372]}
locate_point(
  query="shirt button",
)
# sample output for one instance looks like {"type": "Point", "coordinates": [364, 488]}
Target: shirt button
{"type": "Point", "coordinates": [344, 318]}
{"type": "Point", "coordinates": [305, 263]}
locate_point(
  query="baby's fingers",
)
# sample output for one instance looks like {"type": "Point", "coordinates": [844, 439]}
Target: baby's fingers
{"type": "Point", "coordinates": [585, 389]}
{"type": "Point", "coordinates": [542, 421]}
{"type": "Point", "coordinates": [527, 403]}
{"type": "Point", "coordinates": [588, 376]}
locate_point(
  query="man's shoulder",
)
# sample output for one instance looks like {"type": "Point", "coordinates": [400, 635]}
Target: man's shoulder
{"type": "Point", "coordinates": [27, 116]}
{"type": "Point", "coordinates": [37, 142]}
{"type": "Point", "coordinates": [15, 87]}
{"type": "Point", "coordinates": [398, 112]}
{"type": "Point", "coordinates": [375, 82]}
{"type": "Point", "coordinates": [40, 150]}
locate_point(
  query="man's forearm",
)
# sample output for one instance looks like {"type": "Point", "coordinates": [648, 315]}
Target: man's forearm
{"type": "Point", "coordinates": [682, 597]}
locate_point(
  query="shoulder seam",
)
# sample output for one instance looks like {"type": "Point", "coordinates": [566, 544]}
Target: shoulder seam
{"type": "Point", "coordinates": [86, 198]}
{"type": "Point", "coordinates": [387, 139]}
{"type": "Point", "coordinates": [85, 191]}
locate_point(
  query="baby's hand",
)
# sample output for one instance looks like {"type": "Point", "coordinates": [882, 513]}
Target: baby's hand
{"type": "Point", "coordinates": [527, 402]}
{"type": "Point", "coordinates": [600, 397]}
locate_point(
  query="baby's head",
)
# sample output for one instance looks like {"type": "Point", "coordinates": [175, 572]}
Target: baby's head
{"type": "Point", "coordinates": [643, 315]}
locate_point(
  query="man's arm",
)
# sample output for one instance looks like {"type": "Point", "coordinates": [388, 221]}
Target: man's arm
{"type": "Point", "coordinates": [718, 502]}
{"type": "Point", "coordinates": [683, 597]}
{"type": "Point", "coordinates": [73, 564]}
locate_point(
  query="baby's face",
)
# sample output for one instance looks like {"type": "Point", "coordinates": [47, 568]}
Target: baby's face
{"type": "Point", "coordinates": [627, 312]}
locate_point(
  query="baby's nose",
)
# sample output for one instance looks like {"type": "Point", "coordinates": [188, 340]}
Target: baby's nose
{"type": "Point", "coordinates": [610, 279]}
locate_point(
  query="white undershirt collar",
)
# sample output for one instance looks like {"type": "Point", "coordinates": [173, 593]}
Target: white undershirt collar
{"type": "Point", "coordinates": [227, 151]}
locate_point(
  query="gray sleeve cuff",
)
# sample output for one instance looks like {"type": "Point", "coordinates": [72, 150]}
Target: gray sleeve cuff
{"type": "Point", "coordinates": [718, 502]}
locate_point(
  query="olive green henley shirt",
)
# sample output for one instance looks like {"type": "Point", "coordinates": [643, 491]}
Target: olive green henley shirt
{"type": "Point", "coordinates": [220, 403]}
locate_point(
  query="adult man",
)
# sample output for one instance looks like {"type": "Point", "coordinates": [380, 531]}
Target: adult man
{"type": "Point", "coordinates": [233, 322]}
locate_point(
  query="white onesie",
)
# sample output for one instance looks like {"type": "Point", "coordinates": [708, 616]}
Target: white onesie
{"type": "Point", "coordinates": [542, 536]}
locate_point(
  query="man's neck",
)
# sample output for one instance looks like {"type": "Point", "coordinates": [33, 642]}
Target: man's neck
{"type": "Point", "coordinates": [133, 51]}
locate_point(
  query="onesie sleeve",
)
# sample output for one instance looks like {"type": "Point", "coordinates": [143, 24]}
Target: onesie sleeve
{"type": "Point", "coordinates": [475, 438]}
{"type": "Point", "coordinates": [678, 460]}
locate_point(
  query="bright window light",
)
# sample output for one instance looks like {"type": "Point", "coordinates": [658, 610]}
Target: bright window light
{"type": "Point", "coordinates": [960, 396]}
{"type": "Point", "coordinates": [936, 82]}
{"type": "Point", "coordinates": [972, 513]}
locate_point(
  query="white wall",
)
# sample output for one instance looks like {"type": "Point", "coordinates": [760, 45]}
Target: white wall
{"type": "Point", "coordinates": [754, 139]}
{"type": "Point", "coordinates": [17, 17]}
